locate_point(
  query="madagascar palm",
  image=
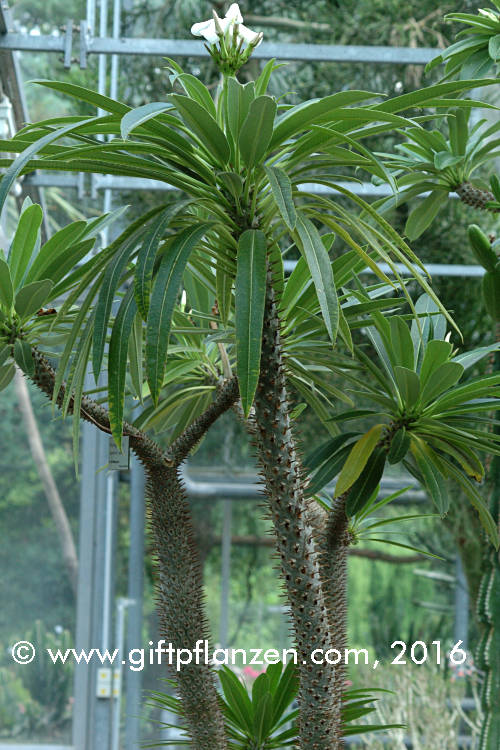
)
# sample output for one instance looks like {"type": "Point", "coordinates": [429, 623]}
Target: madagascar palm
{"type": "Point", "coordinates": [242, 161]}
{"type": "Point", "coordinates": [427, 162]}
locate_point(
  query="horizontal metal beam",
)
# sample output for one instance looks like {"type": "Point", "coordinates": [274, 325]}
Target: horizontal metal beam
{"type": "Point", "coordinates": [267, 50]}
{"type": "Point", "coordinates": [192, 48]}
{"type": "Point", "coordinates": [218, 488]}
{"type": "Point", "coordinates": [28, 43]}
{"type": "Point", "coordinates": [433, 269]}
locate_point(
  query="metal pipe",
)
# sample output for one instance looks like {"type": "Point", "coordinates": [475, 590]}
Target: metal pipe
{"type": "Point", "coordinates": [225, 573]}
{"type": "Point", "coordinates": [91, 17]}
{"type": "Point", "coordinates": [121, 607]}
{"type": "Point", "coordinates": [133, 679]}
{"type": "Point", "coordinates": [104, 45]}
{"type": "Point", "coordinates": [108, 561]}
{"type": "Point", "coordinates": [113, 90]}
{"type": "Point", "coordinates": [218, 489]}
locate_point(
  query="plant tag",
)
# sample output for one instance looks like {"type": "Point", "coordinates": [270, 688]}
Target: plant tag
{"type": "Point", "coordinates": [119, 461]}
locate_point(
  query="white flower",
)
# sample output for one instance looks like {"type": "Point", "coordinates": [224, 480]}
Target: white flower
{"type": "Point", "coordinates": [208, 29]}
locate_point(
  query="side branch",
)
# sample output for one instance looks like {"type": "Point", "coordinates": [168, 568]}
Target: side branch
{"type": "Point", "coordinates": [226, 397]}
{"type": "Point", "coordinates": [145, 448]}
{"type": "Point", "coordinates": [179, 579]}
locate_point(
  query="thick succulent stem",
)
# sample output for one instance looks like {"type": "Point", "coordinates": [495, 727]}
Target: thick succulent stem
{"type": "Point", "coordinates": [319, 717]}
{"type": "Point", "coordinates": [475, 197]}
{"type": "Point", "coordinates": [180, 603]}
{"type": "Point", "coordinates": [334, 550]}
{"type": "Point", "coordinates": [488, 606]}
{"type": "Point", "coordinates": [180, 587]}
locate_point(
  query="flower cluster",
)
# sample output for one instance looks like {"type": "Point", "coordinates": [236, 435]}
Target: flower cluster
{"type": "Point", "coordinates": [230, 43]}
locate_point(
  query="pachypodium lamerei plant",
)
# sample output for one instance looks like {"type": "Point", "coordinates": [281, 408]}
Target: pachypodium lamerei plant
{"type": "Point", "coordinates": [426, 165]}
{"type": "Point", "coordinates": [429, 162]}
{"type": "Point", "coordinates": [241, 160]}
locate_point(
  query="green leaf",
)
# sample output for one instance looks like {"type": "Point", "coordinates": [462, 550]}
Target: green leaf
{"type": "Point", "coordinates": [401, 343]}
{"type": "Point", "coordinates": [31, 298]}
{"type": "Point", "coordinates": [163, 298]}
{"type": "Point", "coordinates": [408, 384]}
{"type": "Point", "coordinates": [238, 102]}
{"type": "Point", "coordinates": [135, 356]}
{"type": "Point", "coordinates": [203, 125]}
{"type": "Point", "coordinates": [257, 130]}
{"type": "Point", "coordinates": [60, 270]}
{"type": "Point", "coordinates": [24, 242]}
{"type": "Point", "coordinates": [111, 280]}
{"type": "Point", "coordinates": [237, 698]}
{"type": "Point", "coordinates": [422, 216]}
{"type": "Point", "coordinates": [147, 255]}
{"type": "Point", "coordinates": [224, 285]}
{"type": "Point", "coordinates": [250, 295]}
{"type": "Point", "coordinates": [55, 248]}
{"type": "Point", "coordinates": [14, 170]}
{"type": "Point", "coordinates": [140, 115]}
{"type": "Point", "coordinates": [6, 288]}
{"type": "Point", "coordinates": [262, 720]}
{"type": "Point", "coordinates": [364, 487]}
{"type": "Point", "coordinates": [262, 82]}
{"type": "Point", "coordinates": [83, 94]}
{"type": "Point", "coordinates": [494, 47]}
{"type": "Point", "coordinates": [433, 478]}
{"type": "Point", "coordinates": [321, 271]}
{"type": "Point", "coordinates": [357, 459]}
{"type": "Point", "coordinates": [282, 192]}
{"type": "Point", "coordinates": [477, 501]}
{"type": "Point", "coordinates": [399, 447]}
{"type": "Point", "coordinates": [23, 356]}
{"type": "Point", "coordinates": [436, 354]}
{"type": "Point", "coordinates": [468, 359]}
{"type": "Point", "coordinates": [319, 455]}
{"type": "Point", "coordinates": [195, 89]}
{"type": "Point", "coordinates": [301, 116]}
{"type": "Point", "coordinates": [441, 379]}
{"type": "Point", "coordinates": [232, 182]}
{"type": "Point", "coordinates": [457, 123]}
{"type": "Point", "coordinates": [7, 372]}
{"type": "Point", "coordinates": [444, 159]}
{"type": "Point", "coordinates": [286, 691]}
{"type": "Point", "coordinates": [117, 367]}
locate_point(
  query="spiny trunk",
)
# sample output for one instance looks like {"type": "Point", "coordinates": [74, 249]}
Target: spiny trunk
{"type": "Point", "coordinates": [180, 603]}
{"type": "Point", "coordinates": [180, 592]}
{"type": "Point", "coordinates": [334, 551]}
{"type": "Point", "coordinates": [319, 716]}
{"type": "Point", "coordinates": [488, 609]}
{"type": "Point", "coordinates": [488, 655]}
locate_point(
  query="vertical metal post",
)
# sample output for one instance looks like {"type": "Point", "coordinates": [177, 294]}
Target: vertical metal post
{"type": "Point", "coordinates": [113, 89]}
{"type": "Point", "coordinates": [91, 17]}
{"type": "Point", "coordinates": [104, 595]}
{"type": "Point", "coordinates": [121, 607]}
{"type": "Point", "coordinates": [225, 574]}
{"type": "Point", "coordinates": [461, 605]}
{"type": "Point", "coordinates": [91, 722]}
{"type": "Point", "coordinates": [133, 679]}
